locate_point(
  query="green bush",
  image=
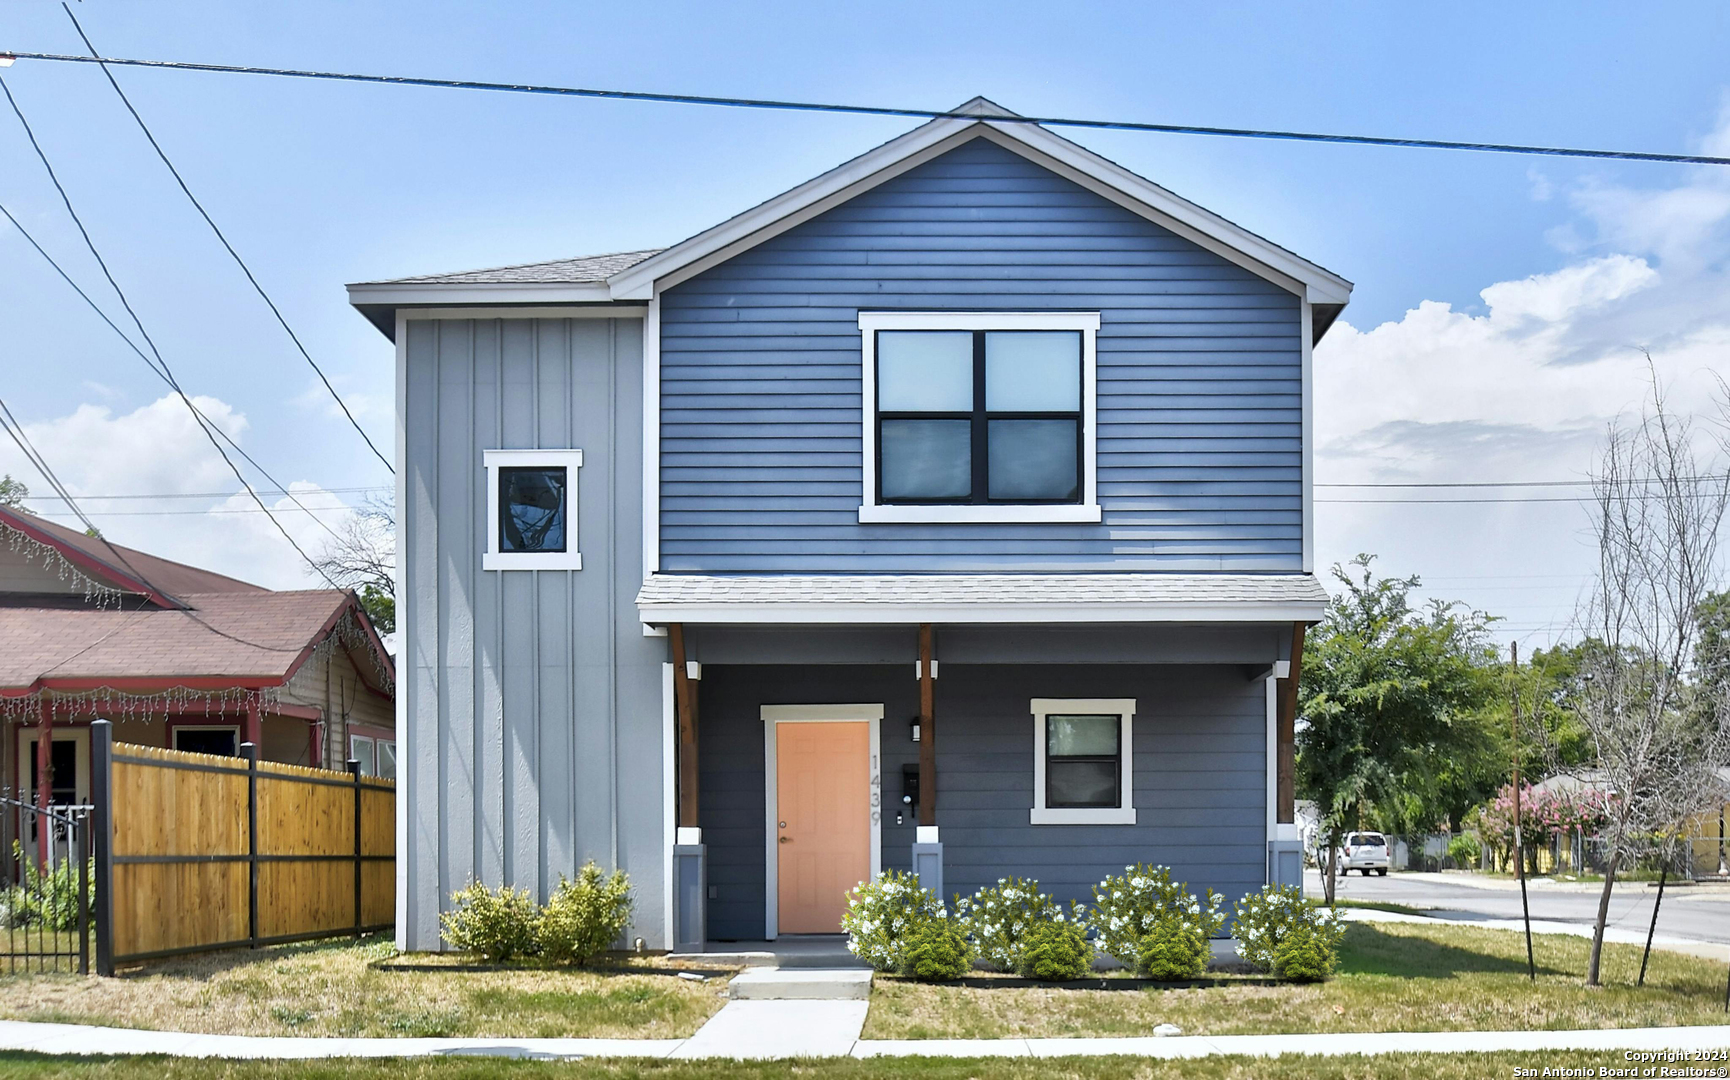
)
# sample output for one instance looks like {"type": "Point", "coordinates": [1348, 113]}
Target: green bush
{"type": "Point", "coordinates": [883, 913]}
{"type": "Point", "coordinates": [1465, 850]}
{"type": "Point", "coordinates": [46, 901]}
{"type": "Point", "coordinates": [1174, 950]}
{"type": "Point", "coordinates": [1000, 917]}
{"type": "Point", "coordinates": [936, 950]}
{"type": "Point", "coordinates": [584, 917]}
{"type": "Point", "coordinates": [499, 924]}
{"type": "Point", "coordinates": [1055, 951]}
{"type": "Point", "coordinates": [1263, 920]}
{"type": "Point", "coordinates": [1126, 908]}
{"type": "Point", "coordinates": [1309, 953]}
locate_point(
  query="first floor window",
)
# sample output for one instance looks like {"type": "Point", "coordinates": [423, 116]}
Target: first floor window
{"type": "Point", "coordinates": [362, 749]}
{"type": "Point", "coordinates": [531, 510]}
{"type": "Point", "coordinates": [220, 740]}
{"type": "Point", "coordinates": [1083, 767]}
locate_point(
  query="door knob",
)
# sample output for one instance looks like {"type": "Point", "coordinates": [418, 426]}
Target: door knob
{"type": "Point", "coordinates": [786, 839]}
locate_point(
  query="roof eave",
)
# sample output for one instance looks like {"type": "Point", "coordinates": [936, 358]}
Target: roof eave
{"type": "Point", "coordinates": [881, 614]}
{"type": "Point", "coordinates": [380, 301]}
{"type": "Point", "coordinates": [743, 231]}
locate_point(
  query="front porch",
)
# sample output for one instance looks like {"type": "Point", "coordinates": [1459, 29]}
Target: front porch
{"type": "Point", "coordinates": [1192, 780]}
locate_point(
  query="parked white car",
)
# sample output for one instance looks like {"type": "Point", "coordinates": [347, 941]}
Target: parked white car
{"type": "Point", "coordinates": [1363, 852]}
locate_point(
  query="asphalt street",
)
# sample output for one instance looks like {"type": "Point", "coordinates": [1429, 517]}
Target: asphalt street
{"type": "Point", "coordinates": [1700, 912]}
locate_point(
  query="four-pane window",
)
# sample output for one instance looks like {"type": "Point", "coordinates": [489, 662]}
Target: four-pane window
{"type": "Point", "coordinates": [979, 416]}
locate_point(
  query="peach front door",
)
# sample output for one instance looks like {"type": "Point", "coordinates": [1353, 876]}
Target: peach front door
{"type": "Point", "coordinates": [823, 800]}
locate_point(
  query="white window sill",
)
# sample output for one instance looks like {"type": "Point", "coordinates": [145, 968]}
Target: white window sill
{"type": "Point", "coordinates": [1122, 815]}
{"type": "Point", "coordinates": [946, 515]}
{"type": "Point", "coordinates": [532, 560]}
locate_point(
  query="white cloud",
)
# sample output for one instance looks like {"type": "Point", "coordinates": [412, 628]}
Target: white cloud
{"type": "Point", "coordinates": [158, 449]}
{"type": "Point", "coordinates": [1524, 392]}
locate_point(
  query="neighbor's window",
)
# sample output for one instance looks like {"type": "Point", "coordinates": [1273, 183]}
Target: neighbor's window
{"type": "Point", "coordinates": [532, 510]}
{"type": "Point", "coordinates": [979, 417]}
{"type": "Point", "coordinates": [219, 739]}
{"type": "Point", "coordinates": [1082, 761]}
{"type": "Point", "coordinates": [363, 750]}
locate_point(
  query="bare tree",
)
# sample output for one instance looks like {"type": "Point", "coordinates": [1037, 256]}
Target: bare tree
{"type": "Point", "coordinates": [363, 558]}
{"type": "Point", "coordinates": [1658, 729]}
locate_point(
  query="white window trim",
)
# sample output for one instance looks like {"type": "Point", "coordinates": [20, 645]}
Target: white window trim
{"type": "Point", "coordinates": [774, 715]}
{"type": "Point", "coordinates": [354, 741]}
{"type": "Point", "coordinates": [569, 559]}
{"type": "Point", "coordinates": [871, 511]}
{"type": "Point", "coordinates": [1123, 814]}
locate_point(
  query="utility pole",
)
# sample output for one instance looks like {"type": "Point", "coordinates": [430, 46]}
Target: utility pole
{"type": "Point", "coordinates": [1519, 853]}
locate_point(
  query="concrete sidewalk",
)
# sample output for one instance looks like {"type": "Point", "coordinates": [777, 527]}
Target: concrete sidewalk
{"type": "Point", "coordinates": [819, 1029]}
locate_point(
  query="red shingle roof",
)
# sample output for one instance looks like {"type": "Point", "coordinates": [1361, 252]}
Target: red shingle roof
{"type": "Point", "coordinates": [252, 637]}
{"type": "Point", "coordinates": [125, 568]}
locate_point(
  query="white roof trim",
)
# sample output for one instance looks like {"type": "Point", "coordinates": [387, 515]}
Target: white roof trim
{"type": "Point", "coordinates": [479, 292]}
{"type": "Point", "coordinates": [1106, 178]}
{"type": "Point", "coordinates": [981, 598]}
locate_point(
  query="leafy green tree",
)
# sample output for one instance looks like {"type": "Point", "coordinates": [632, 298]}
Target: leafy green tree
{"type": "Point", "coordinates": [1393, 700]}
{"type": "Point", "coordinates": [12, 492]}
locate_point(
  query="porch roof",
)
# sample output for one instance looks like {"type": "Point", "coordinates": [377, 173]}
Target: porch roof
{"type": "Point", "coordinates": [981, 598]}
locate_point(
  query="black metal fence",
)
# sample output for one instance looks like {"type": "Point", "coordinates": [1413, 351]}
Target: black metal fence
{"type": "Point", "coordinates": [45, 901]}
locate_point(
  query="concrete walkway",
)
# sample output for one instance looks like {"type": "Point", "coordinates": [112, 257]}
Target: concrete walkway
{"type": "Point", "coordinates": [773, 1029]}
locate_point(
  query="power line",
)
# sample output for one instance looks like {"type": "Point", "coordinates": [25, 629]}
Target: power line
{"type": "Point", "coordinates": [881, 110]}
{"type": "Point", "coordinates": [238, 261]}
{"type": "Point", "coordinates": [203, 425]}
{"type": "Point", "coordinates": [203, 420]}
{"type": "Point", "coordinates": [209, 494]}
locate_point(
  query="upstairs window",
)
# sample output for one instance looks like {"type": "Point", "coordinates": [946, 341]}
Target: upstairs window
{"type": "Point", "coordinates": [979, 417]}
{"type": "Point", "coordinates": [532, 510]}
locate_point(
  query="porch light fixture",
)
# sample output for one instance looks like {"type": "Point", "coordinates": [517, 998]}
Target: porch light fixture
{"type": "Point", "coordinates": [913, 728]}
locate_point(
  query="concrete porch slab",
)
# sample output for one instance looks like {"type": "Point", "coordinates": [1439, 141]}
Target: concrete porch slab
{"type": "Point", "coordinates": [801, 984]}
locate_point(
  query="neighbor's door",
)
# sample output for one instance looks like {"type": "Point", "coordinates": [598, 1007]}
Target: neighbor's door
{"type": "Point", "coordinates": [823, 800]}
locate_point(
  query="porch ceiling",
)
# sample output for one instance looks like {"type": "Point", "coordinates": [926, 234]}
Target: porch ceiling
{"type": "Point", "coordinates": [980, 598]}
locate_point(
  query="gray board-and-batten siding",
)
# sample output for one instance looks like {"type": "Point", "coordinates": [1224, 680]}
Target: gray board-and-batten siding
{"type": "Point", "coordinates": [1199, 382]}
{"type": "Point", "coordinates": [1199, 778]}
{"type": "Point", "coordinates": [532, 702]}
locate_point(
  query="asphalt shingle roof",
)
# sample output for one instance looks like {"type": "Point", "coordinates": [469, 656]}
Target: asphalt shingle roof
{"type": "Point", "coordinates": [584, 270]}
{"type": "Point", "coordinates": [236, 634]}
{"type": "Point", "coordinates": [1102, 590]}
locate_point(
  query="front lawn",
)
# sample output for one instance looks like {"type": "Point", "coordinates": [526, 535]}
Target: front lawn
{"type": "Point", "coordinates": [1393, 977]}
{"type": "Point", "coordinates": [335, 988]}
{"type": "Point", "coordinates": [1387, 1067]}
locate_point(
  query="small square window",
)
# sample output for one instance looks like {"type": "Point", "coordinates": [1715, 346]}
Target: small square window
{"type": "Point", "coordinates": [532, 510]}
{"type": "Point", "coordinates": [1082, 765]}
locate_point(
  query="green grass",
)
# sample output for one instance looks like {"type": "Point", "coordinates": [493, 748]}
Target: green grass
{"type": "Point", "coordinates": [1382, 1067]}
{"type": "Point", "coordinates": [1393, 977]}
{"type": "Point", "coordinates": [337, 988]}
{"type": "Point", "coordinates": [1374, 905]}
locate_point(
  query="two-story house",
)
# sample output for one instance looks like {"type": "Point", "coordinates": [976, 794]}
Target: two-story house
{"type": "Point", "coordinates": [951, 510]}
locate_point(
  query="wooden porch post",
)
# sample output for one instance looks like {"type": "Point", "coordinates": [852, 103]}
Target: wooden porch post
{"type": "Point", "coordinates": [685, 707]}
{"type": "Point", "coordinates": [1286, 735]}
{"type": "Point", "coordinates": [927, 732]}
{"type": "Point", "coordinates": [44, 778]}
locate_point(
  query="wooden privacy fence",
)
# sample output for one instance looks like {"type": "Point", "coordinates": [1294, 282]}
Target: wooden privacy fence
{"type": "Point", "coordinates": [196, 852]}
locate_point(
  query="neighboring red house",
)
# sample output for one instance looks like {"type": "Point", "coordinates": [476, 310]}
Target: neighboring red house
{"type": "Point", "coordinates": [176, 657]}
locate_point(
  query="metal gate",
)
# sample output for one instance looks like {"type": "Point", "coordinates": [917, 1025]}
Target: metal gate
{"type": "Point", "coordinates": [45, 887]}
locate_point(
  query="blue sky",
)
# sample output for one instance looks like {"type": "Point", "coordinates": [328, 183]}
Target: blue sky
{"type": "Point", "coordinates": [321, 184]}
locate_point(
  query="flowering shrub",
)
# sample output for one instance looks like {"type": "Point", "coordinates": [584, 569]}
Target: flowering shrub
{"type": "Point", "coordinates": [584, 916]}
{"type": "Point", "coordinates": [1266, 918]}
{"type": "Point", "coordinates": [883, 912]}
{"type": "Point", "coordinates": [936, 951]}
{"type": "Point", "coordinates": [1465, 851]}
{"type": "Point", "coordinates": [1127, 907]}
{"type": "Point", "coordinates": [1055, 952]}
{"type": "Point", "coordinates": [1543, 813]}
{"type": "Point", "coordinates": [1310, 951]}
{"type": "Point", "coordinates": [1174, 950]}
{"type": "Point", "coordinates": [999, 918]}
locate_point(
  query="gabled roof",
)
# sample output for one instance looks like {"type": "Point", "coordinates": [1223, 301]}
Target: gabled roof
{"type": "Point", "coordinates": [242, 639]}
{"type": "Point", "coordinates": [123, 568]}
{"type": "Point", "coordinates": [641, 278]}
{"type": "Point", "coordinates": [587, 269]}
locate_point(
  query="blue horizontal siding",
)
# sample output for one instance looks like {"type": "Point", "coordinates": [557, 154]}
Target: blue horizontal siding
{"type": "Point", "coordinates": [1199, 780]}
{"type": "Point", "coordinates": [1200, 395]}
